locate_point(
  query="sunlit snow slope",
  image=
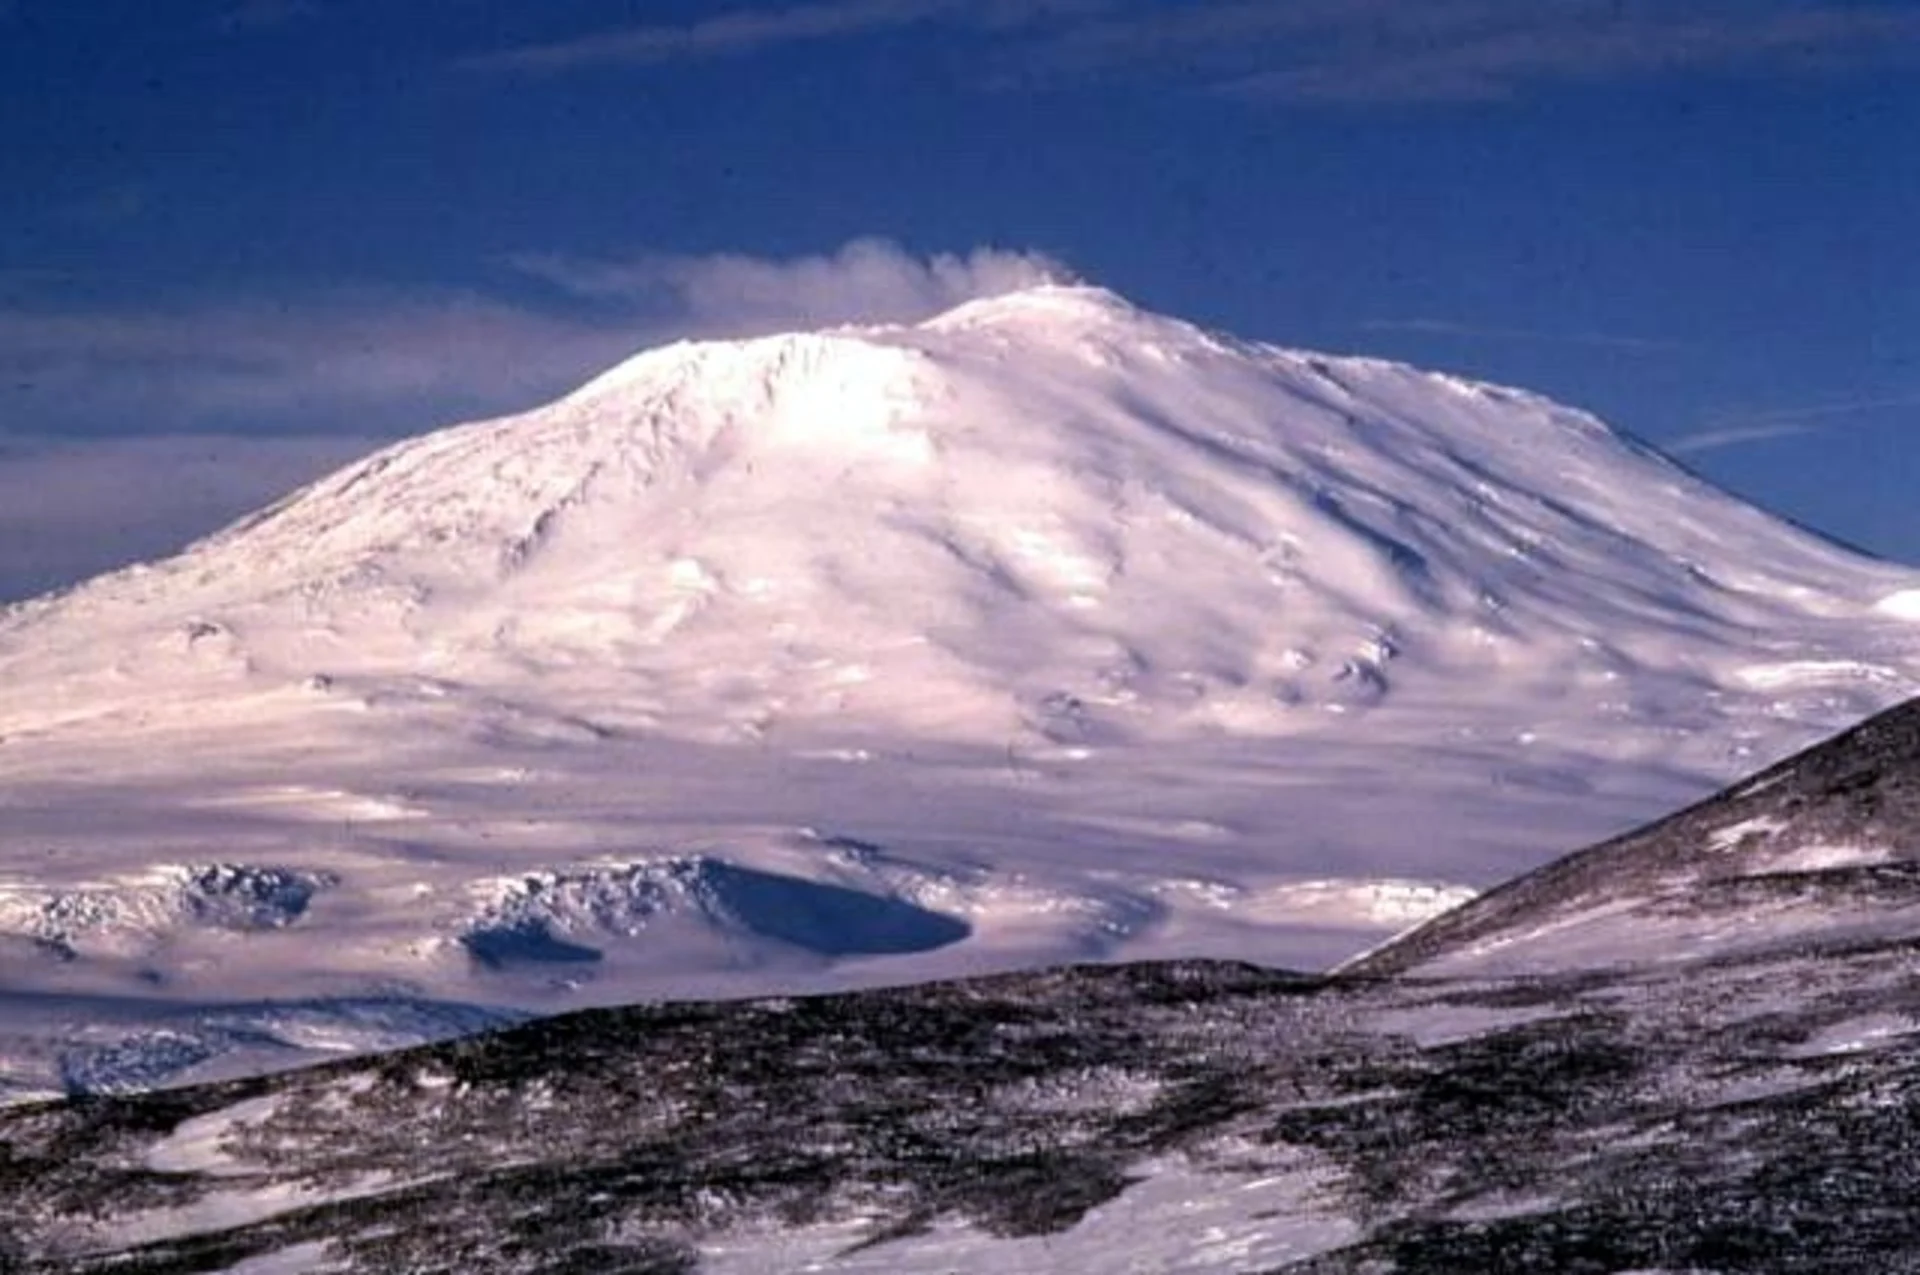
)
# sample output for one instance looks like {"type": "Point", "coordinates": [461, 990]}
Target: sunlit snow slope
{"type": "Point", "coordinates": [1048, 628]}
{"type": "Point", "coordinates": [1816, 852]}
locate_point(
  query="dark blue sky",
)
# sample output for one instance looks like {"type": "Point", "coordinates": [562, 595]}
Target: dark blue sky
{"type": "Point", "coordinates": [269, 225]}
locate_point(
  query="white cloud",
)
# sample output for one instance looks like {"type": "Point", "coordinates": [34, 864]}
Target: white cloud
{"type": "Point", "coordinates": [68, 511]}
{"type": "Point", "coordinates": [1713, 440]}
{"type": "Point", "coordinates": [1784, 422]}
{"type": "Point", "coordinates": [729, 34]}
{"type": "Point", "coordinates": [867, 281]}
{"type": "Point", "coordinates": [1513, 47]}
{"type": "Point", "coordinates": [177, 420]}
{"type": "Point", "coordinates": [1329, 52]}
{"type": "Point", "coordinates": [1476, 331]}
{"type": "Point", "coordinates": [747, 30]}
{"type": "Point", "coordinates": [372, 361]}
{"type": "Point", "coordinates": [363, 362]}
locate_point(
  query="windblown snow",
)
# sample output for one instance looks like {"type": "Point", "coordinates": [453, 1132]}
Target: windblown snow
{"type": "Point", "coordinates": [1045, 629]}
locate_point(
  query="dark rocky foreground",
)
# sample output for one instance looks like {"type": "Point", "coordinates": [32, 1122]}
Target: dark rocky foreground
{"type": "Point", "coordinates": [1710, 1119]}
{"type": "Point", "coordinates": [1755, 1110]}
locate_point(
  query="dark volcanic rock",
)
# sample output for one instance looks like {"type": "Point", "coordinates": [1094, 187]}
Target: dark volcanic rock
{"type": "Point", "coordinates": [1720, 1118]}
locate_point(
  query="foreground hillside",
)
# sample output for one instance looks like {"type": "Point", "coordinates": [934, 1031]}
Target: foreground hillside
{"type": "Point", "coordinates": [1747, 1109]}
{"type": "Point", "coordinates": [1753, 1116]}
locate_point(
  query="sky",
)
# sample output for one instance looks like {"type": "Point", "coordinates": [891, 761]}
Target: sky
{"type": "Point", "coordinates": [242, 241]}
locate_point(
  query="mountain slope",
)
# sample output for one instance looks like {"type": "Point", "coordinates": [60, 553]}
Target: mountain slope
{"type": "Point", "coordinates": [1045, 630]}
{"type": "Point", "coordinates": [1823, 847]}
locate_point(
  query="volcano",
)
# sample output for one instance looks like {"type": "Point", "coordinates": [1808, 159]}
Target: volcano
{"type": "Point", "coordinates": [1045, 629]}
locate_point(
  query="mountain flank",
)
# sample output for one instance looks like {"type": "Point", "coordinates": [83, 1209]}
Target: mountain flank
{"type": "Point", "coordinates": [1820, 847]}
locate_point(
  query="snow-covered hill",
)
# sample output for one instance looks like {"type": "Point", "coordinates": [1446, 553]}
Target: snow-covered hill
{"type": "Point", "coordinates": [1819, 851]}
{"type": "Point", "coordinates": [1046, 629]}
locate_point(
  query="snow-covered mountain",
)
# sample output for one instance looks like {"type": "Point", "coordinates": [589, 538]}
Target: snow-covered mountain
{"type": "Point", "coordinates": [1042, 507]}
{"type": "Point", "coordinates": [1046, 629]}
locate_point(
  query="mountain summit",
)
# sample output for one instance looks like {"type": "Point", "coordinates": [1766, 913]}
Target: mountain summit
{"type": "Point", "coordinates": [1048, 628]}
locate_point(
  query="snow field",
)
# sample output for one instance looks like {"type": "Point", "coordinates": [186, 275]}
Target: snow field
{"type": "Point", "coordinates": [1107, 637]}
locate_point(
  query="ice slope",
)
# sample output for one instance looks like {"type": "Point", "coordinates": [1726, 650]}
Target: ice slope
{"type": "Point", "coordinates": [1045, 629]}
{"type": "Point", "coordinates": [1819, 851]}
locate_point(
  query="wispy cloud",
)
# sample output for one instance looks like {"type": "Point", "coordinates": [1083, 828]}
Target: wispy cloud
{"type": "Point", "coordinates": [1359, 52]}
{"type": "Point", "coordinates": [359, 360]}
{"type": "Point", "coordinates": [868, 280]}
{"type": "Point", "coordinates": [1786, 422]}
{"type": "Point", "coordinates": [748, 30]}
{"type": "Point", "coordinates": [1481, 332]}
{"type": "Point", "coordinates": [1719, 438]}
{"type": "Point", "coordinates": [1321, 51]}
{"type": "Point", "coordinates": [162, 492]}
{"type": "Point", "coordinates": [374, 360]}
{"type": "Point", "coordinates": [1512, 49]}
{"type": "Point", "coordinates": [732, 34]}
